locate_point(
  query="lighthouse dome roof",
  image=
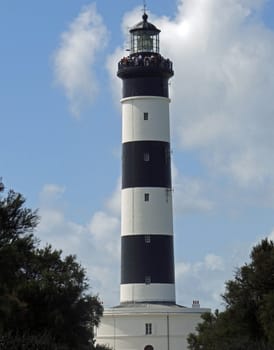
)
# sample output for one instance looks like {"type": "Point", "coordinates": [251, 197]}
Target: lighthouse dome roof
{"type": "Point", "coordinates": [144, 25]}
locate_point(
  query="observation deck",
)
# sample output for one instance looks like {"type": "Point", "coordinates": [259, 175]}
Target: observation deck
{"type": "Point", "coordinates": [145, 64]}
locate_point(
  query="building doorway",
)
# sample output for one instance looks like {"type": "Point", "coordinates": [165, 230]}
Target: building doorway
{"type": "Point", "coordinates": [148, 347]}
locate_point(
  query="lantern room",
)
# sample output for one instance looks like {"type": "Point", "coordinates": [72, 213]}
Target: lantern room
{"type": "Point", "coordinates": [144, 37]}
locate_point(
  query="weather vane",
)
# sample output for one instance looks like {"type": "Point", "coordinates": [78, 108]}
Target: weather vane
{"type": "Point", "coordinates": [145, 6]}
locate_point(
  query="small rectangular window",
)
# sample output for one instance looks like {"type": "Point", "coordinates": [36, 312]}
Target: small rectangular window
{"type": "Point", "coordinates": [146, 157]}
{"type": "Point", "coordinates": [167, 155]}
{"type": "Point", "coordinates": [148, 328]}
{"type": "Point", "coordinates": [146, 197]}
{"type": "Point", "coordinates": [147, 239]}
{"type": "Point", "coordinates": [147, 280]}
{"type": "Point", "coordinates": [145, 116]}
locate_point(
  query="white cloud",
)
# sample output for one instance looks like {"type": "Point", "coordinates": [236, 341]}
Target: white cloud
{"type": "Point", "coordinates": [51, 190]}
{"type": "Point", "coordinates": [182, 269]}
{"type": "Point", "coordinates": [102, 224]}
{"type": "Point", "coordinates": [114, 202]}
{"type": "Point", "coordinates": [115, 83]}
{"type": "Point", "coordinates": [214, 262]}
{"type": "Point", "coordinates": [189, 194]}
{"type": "Point", "coordinates": [95, 243]}
{"type": "Point", "coordinates": [74, 60]}
{"type": "Point", "coordinates": [51, 193]}
{"type": "Point", "coordinates": [50, 219]}
{"type": "Point", "coordinates": [105, 230]}
{"type": "Point", "coordinates": [222, 90]}
{"type": "Point", "coordinates": [203, 280]}
{"type": "Point", "coordinates": [222, 106]}
{"type": "Point", "coordinates": [271, 236]}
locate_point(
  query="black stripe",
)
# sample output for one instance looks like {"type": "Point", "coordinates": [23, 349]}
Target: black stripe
{"type": "Point", "coordinates": [137, 172]}
{"type": "Point", "coordinates": [141, 259]}
{"type": "Point", "coordinates": [145, 86]}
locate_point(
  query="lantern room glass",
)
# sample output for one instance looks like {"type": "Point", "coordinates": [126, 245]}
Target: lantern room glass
{"type": "Point", "coordinates": [144, 41]}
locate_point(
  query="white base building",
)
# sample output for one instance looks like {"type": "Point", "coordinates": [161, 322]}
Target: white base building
{"type": "Point", "coordinates": [148, 326]}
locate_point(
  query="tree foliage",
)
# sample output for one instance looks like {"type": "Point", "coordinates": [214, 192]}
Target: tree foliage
{"type": "Point", "coordinates": [42, 294]}
{"type": "Point", "coordinates": [247, 322]}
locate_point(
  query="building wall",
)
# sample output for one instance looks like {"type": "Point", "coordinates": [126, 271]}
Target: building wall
{"type": "Point", "coordinates": [128, 331]}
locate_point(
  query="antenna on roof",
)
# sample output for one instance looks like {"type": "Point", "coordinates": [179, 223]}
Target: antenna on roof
{"type": "Point", "coordinates": [145, 6]}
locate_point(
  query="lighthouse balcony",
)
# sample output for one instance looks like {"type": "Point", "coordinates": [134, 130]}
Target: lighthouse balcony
{"type": "Point", "coordinates": [145, 64]}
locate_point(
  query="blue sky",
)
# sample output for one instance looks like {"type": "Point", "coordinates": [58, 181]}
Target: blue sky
{"type": "Point", "coordinates": [61, 129]}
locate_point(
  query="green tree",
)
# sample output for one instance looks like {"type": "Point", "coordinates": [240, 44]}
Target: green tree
{"type": "Point", "coordinates": [42, 294]}
{"type": "Point", "coordinates": [247, 322]}
{"type": "Point", "coordinates": [16, 246]}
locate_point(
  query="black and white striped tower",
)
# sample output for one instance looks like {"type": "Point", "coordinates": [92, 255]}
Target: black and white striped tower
{"type": "Point", "coordinates": [147, 254]}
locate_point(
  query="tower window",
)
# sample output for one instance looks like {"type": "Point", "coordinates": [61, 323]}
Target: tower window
{"type": "Point", "coordinates": [147, 239]}
{"type": "Point", "coordinates": [167, 155]}
{"type": "Point", "coordinates": [146, 157]}
{"type": "Point", "coordinates": [146, 197]}
{"type": "Point", "coordinates": [146, 116]}
{"type": "Point", "coordinates": [147, 280]}
{"type": "Point", "coordinates": [148, 328]}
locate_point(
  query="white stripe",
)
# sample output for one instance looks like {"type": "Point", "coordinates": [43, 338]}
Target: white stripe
{"type": "Point", "coordinates": [146, 217]}
{"type": "Point", "coordinates": [135, 128]}
{"type": "Point", "coordinates": [132, 293]}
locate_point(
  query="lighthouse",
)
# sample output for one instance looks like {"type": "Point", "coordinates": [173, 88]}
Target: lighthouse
{"type": "Point", "coordinates": [147, 317]}
{"type": "Point", "coordinates": [147, 258]}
